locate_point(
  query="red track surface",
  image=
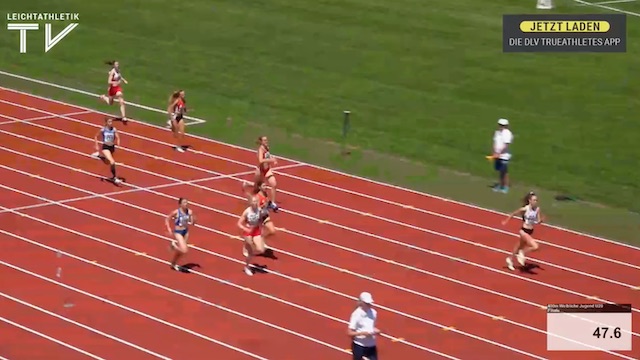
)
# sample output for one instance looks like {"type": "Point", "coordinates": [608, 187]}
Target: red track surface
{"type": "Point", "coordinates": [435, 267]}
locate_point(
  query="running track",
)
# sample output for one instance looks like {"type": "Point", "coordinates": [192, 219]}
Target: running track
{"type": "Point", "coordinates": [84, 273]}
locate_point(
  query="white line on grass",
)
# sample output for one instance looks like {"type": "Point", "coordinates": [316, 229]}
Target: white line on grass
{"type": "Point", "coordinates": [606, 7]}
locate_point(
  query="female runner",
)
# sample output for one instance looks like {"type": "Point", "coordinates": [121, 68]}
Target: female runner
{"type": "Point", "coordinates": [182, 219]}
{"type": "Point", "coordinates": [115, 91]}
{"type": "Point", "coordinates": [259, 190]}
{"type": "Point", "coordinates": [110, 138]}
{"type": "Point", "coordinates": [177, 108]}
{"type": "Point", "coordinates": [531, 215]}
{"type": "Point", "coordinates": [250, 224]}
{"type": "Point", "coordinates": [264, 172]}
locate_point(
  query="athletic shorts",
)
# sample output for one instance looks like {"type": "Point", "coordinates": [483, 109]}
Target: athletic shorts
{"type": "Point", "coordinates": [111, 148]}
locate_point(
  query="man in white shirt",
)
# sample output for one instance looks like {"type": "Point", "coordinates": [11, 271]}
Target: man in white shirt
{"type": "Point", "coordinates": [502, 139]}
{"type": "Point", "coordinates": [362, 329]}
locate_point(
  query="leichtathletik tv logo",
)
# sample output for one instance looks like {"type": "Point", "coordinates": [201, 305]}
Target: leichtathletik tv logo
{"type": "Point", "coordinates": [23, 22]}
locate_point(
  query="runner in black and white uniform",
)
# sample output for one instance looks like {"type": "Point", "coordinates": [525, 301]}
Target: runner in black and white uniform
{"type": "Point", "coordinates": [531, 215]}
{"type": "Point", "coordinates": [110, 138]}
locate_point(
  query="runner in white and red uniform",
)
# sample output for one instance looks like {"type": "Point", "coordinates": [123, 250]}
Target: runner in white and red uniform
{"type": "Point", "coordinates": [260, 191]}
{"type": "Point", "coordinates": [114, 92]}
{"type": "Point", "coordinates": [250, 222]}
{"type": "Point", "coordinates": [264, 170]}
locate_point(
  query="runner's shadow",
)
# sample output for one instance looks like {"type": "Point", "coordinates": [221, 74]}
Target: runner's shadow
{"type": "Point", "coordinates": [269, 254]}
{"type": "Point", "coordinates": [186, 268]}
{"type": "Point", "coordinates": [529, 269]}
{"type": "Point", "coordinates": [259, 269]}
{"type": "Point", "coordinates": [183, 147]}
{"type": "Point", "coordinates": [110, 181]}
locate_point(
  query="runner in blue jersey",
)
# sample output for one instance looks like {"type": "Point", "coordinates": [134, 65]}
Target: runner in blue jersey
{"type": "Point", "coordinates": [178, 222]}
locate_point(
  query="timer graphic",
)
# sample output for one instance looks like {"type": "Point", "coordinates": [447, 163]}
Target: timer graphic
{"type": "Point", "coordinates": [589, 327]}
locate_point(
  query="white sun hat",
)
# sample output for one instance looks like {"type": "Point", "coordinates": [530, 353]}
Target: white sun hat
{"type": "Point", "coordinates": [366, 298]}
{"type": "Point", "coordinates": [503, 122]}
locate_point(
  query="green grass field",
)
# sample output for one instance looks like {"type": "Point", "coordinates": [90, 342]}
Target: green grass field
{"type": "Point", "coordinates": [425, 81]}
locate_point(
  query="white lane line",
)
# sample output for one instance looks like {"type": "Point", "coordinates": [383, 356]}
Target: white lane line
{"type": "Point", "coordinates": [389, 240]}
{"type": "Point", "coordinates": [325, 169]}
{"type": "Point", "coordinates": [46, 117]}
{"type": "Point", "coordinates": [183, 164]}
{"type": "Point", "coordinates": [123, 307]}
{"type": "Point", "coordinates": [173, 291]}
{"type": "Point", "coordinates": [50, 338]}
{"type": "Point", "coordinates": [309, 237]}
{"type": "Point", "coordinates": [113, 193]}
{"type": "Point", "coordinates": [342, 270]}
{"type": "Point", "coordinates": [93, 330]}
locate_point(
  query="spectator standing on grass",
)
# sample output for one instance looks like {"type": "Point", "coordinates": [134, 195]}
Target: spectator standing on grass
{"type": "Point", "coordinates": [502, 139]}
{"type": "Point", "coordinates": [362, 329]}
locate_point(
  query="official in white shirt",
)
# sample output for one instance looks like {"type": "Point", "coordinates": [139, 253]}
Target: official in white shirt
{"type": "Point", "coordinates": [502, 139]}
{"type": "Point", "coordinates": [362, 329]}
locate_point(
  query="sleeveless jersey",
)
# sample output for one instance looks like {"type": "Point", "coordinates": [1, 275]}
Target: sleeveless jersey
{"type": "Point", "coordinates": [266, 155]}
{"type": "Point", "coordinates": [115, 76]}
{"type": "Point", "coordinates": [108, 135]}
{"type": "Point", "coordinates": [530, 216]}
{"type": "Point", "coordinates": [182, 218]}
{"type": "Point", "coordinates": [262, 200]}
{"type": "Point", "coordinates": [253, 217]}
{"type": "Point", "coordinates": [179, 106]}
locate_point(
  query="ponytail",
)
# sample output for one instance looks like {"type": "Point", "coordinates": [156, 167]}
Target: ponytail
{"type": "Point", "coordinates": [110, 62]}
{"type": "Point", "coordinates": [175, 95]}
{"type": "Point", "coordinates": [527, 198]}
{"type": "Point", "coordinates": [259, 141]}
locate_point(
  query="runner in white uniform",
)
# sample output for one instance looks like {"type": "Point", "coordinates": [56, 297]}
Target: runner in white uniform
{"type": "Point", "coordinates": [531, 215]}
{"type": "Point", "coordinates": [250, 222]}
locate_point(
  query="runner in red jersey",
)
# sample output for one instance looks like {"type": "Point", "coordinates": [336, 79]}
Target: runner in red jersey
{"type": "Point", "coordinates": [264, 171]}
{"type": "Point", "coordinates": [249, 223]}
{"type": "Point", "coordinates": [114, 91]}
{"type": "Point", "coordinates": [176, 110]}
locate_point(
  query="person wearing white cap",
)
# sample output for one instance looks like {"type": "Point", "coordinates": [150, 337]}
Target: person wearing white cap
{"type": "Point", "coordinates": [362, 329]}
{"type": "Point", "coordinates": [502, 139]}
